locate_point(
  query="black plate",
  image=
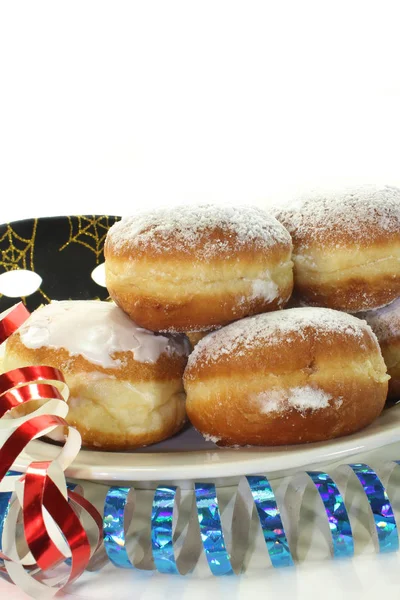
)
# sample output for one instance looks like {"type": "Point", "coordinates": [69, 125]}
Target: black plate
{"type": "Point", "coordinates": [64, 251]}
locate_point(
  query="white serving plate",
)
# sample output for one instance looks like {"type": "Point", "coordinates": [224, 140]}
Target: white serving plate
{"type": "Point", "coordinates": [187, 457]}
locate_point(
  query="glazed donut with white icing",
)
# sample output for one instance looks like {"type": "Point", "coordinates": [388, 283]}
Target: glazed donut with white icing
{"type": "Point", "coordinates": [125, 382]}
{"type": "Point", "coordinates": [385, 323]}
{"type": "Point", "coordinates": [195, 268]}
{"type": "Point", "coordinates": [346, 247]}
{"type": "Point", "coordinates": [288, 377]}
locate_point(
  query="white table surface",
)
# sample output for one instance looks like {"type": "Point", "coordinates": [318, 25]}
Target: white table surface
{"type": "Point", "coordinates": [107, 106]}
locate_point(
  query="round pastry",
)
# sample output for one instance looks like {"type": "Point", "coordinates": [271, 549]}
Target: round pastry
{"type": "Point", "coordinates": [196, 268]}
{"type": "Point", "coordinates": [346, 247]}
{"type": "Point", "coordinates": [289, 377]}
{"type": "Point", "coordinates": [125, 382]}
{"type": "Point", "coordinates": [385, 323]}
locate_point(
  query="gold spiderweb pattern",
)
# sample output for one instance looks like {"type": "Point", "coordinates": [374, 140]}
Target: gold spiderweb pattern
{"type": "Point", "coordinates": [89, 231]}
{"type": "Point", "coordinates": [17, 252]}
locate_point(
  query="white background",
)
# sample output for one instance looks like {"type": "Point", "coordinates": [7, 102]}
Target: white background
{"type": "Point", "coordinates": [109, 105]}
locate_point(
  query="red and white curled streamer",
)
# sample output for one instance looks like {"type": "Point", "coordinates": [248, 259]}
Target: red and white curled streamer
{"type": "Point", "coordinates": [42, 529]}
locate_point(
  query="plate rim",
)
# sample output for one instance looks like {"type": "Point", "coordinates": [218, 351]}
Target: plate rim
{"type": "Point", "coordinates": [238, 461]}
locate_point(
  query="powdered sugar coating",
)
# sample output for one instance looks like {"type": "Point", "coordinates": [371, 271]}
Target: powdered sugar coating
{"type": "Point", "coordinates": [185, 229]}
{"type": "Point", "coordinates": [211, 438]}
{"type": "Point", "coordinates": [270, 328]}
{"type": "Point", "coordinates": [385, 322]}
{"type": "Point", "coordinates": [300, 398]}
{"type": "Point", "coordinates": [358, 215]}
{"type": "Point", "coordinates": [264, 288]}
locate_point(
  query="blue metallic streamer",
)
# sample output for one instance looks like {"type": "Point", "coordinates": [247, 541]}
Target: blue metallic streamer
{"type": "Point", "coordinates": [161, 530]}
{"type": "Point", "coordinates": [339, 522]}
{"type": "Point", "coordinates": [71, 487]}
{"type": "Point", "coordinates": [212, 536]}
{"type": "Point", "coordinates": [114, 528]}
{"type": "Point", "coordinates": [5, 498]}
{"type": "Point", "coordinates": [385, 522]}
{"type": "Point", "coordinates": [270, 521]}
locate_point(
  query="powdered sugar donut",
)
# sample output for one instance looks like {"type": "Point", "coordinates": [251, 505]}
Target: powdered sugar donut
{"type": "Point", "coordinates": [346, 247]}
{"type": "Point", "coordinates": [125, 382]}
{"type": "Point", "coordinates": [299, 375]}
{"type": "Point", "coordinates": [385, 322]}
{"type": "Point", "coordinates": [196, 268]}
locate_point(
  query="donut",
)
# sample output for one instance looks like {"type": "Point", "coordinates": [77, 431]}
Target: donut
{"type": "Point", "coordinates": [346, 247]}
{"type": "Point", "coordinates": [125, 382]}
{"type": "Point", "coordinates": [385, 323]}
{"type": "Point", "coordinates": [196, 268]}
{"type": "Point", "coordinates": [289, 377]}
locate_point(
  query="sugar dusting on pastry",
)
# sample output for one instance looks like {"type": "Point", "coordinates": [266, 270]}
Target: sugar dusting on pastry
{"type": "Point", "coordinates": [96, 331]}
{"type": "Point", "coordinates": [385, 321]}
{"type": "Point", "coordinates": [267, 328]}
{"type": "Point", "coordinates": [300, 398]}
{"type": "Point", "coordinates": [265, 288]}
{"type": "Point", "coordinates": [359, 212]}
{"type": "Point", "coordinates": [181, 228]}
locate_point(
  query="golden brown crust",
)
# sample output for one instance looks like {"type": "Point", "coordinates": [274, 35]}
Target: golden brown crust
{"type": "Point", "coordinates": [346, 247]}
{"type": "Point", "coordinates": [362, 279]}
{"type": "Point", "coordinates": [231, 396]}
{"type": "Point", "coordinates": [195, 269]}
{"type": "Point", "coordinates": [235, 420]}
{"type": "Point", "coordinates": [365, 278]}
{"type": "Point", "coordinates": [352, 295]}
{"type": "Point", "coordinates": [178, 297]}
{"type": "Point", "coordinates": [199, 312]}
{"type": "Point", "coordinates": [309, 352]}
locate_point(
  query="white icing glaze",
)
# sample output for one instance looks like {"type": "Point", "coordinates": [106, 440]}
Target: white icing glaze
{"type": "Point", "coordinates": [183, 227]}
{"type": "Point", "coordinates": [299, 398]}
{"type": "Point", "coordinates": [385, 321]}
{"type": "Point", "coordinates": [359, 212]}
{"type": "Point", "coordinates": [270, 328]}
{"type": "Point", "coordinates": [96, 331]}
